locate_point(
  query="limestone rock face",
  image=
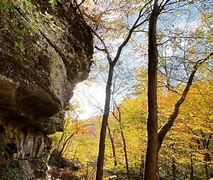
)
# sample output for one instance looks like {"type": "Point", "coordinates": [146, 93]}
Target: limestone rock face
{"type": "Point", "coordinates": [44, 52]}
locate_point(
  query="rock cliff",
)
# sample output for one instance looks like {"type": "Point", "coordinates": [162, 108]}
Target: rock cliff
{"type": "Point", "coordinates": [45, 50]}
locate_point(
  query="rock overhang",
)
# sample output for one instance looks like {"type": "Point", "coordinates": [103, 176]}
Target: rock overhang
{"type": "Point", "coordinates": [38, 82]}
{"type": "Point", "coordinates": [43, 54]}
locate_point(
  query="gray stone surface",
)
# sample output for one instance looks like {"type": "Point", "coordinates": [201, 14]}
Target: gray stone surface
{"type": "Point", "coordinates": [44, 52]}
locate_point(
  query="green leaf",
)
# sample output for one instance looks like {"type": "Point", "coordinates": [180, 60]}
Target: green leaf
{"type": "Point", "coordinates": [53, 3]}
{"type": "Point", "coordinates": [20, 46]}
{"type": "Point", "coordinates": [4, 5]}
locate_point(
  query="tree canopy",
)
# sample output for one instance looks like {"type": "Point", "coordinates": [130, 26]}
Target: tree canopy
{"type": "Point", "coordinates": [154, 58]}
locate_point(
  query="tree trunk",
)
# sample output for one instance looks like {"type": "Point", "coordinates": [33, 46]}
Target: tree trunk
{"type": "Point", "coordinates": [125, 152]}
{"type": "Point", "coordinates": [150, 171]}
{"type": "Point", "coordinates": [191, 168]}
{"type": "Point", "coordinates": [170, 121]}
{"type": "Point", "coordinates": [207, 170]}
{"type": "Point", "coordinates": [112, 63]}
{"type": "Point", "coordinates": [173, 169]}
{"type": "Point", "coordinates": [113, 146]}
{"type": "Point", "coordinates": [119, 118]}
{"type": "Point", "coordinates": [100, 163]}
{"type": "Point", "coordinates": [65, 143]}
{"type": "Point", "coordinates": [141, 165]}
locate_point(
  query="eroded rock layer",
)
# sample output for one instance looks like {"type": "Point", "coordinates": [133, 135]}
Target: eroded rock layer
{"type": "Point", "coordinates": [44, 52]}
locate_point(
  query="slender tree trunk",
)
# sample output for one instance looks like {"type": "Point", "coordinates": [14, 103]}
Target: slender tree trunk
{"type": "Point", "coordinates": [191, 168]}
{"type": "Point", "coordinates": [125, 152]}
{"type": "Point", "coordinates": [87, 172]}
{"type": "Point", "coordinates": [158, 172]}
{"type": "Point", "coordinates": [207, 156]}
{"type": "Point", "coordinates": [141, 165]}
{"type": "Point", "coordinates": [100, 163]}
{"type": "Point", "coordinates": [170, 121]}
{"type": "Point", "coordinates": [206, 170]}
{"type": "Point", "coordinates": [150, 171]}
{"type": "Point", "coordinates": [113, 146]}
{"type": "Point", "coordinates": [65, 143]}
{"type": "Point", "coordinates": [173, 169]}
{"type": "Point", "coordinates": [112, 63]}
{"type": "Point", "coordinates": [167, 171]}
{"type": "Point", "coordinates": [119, 118]}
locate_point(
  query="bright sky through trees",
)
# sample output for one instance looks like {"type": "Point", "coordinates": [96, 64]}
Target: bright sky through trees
{"type": "Point", "coordinates": [90, 94]}
{"type": "Point", "coordinates": [148, 91]}
{"type": "Point", "coordinates": [90, 98]}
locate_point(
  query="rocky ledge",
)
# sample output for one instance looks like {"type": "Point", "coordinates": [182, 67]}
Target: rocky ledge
{"type": "Point", "coordinates": [45, 50]}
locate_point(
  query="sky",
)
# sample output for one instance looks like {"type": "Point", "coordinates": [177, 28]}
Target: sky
{"type": "Point", "coordinates": [90, 98]}
{"type": "Point", "coordinates": [90, 94]}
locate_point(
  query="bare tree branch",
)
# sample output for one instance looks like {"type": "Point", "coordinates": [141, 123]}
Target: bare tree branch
{"type": "Point", "coordinates": [167, 126]}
